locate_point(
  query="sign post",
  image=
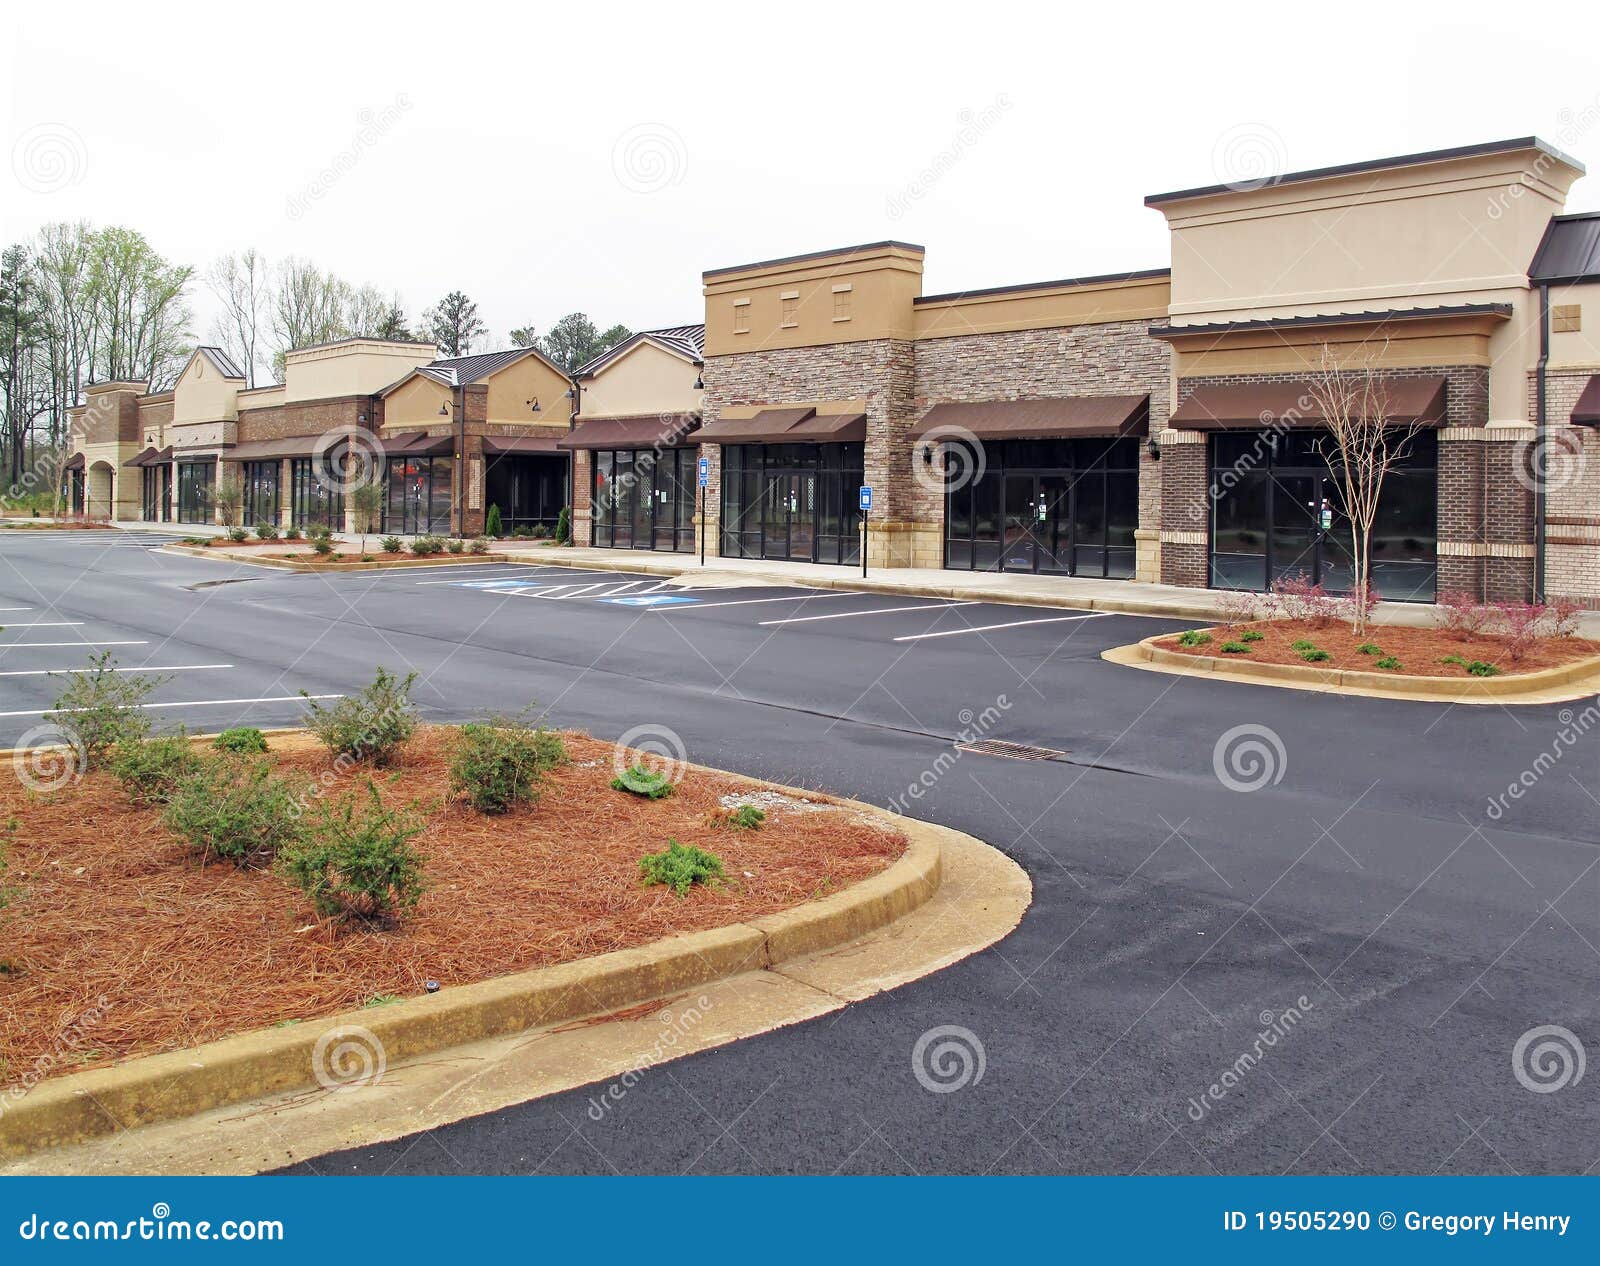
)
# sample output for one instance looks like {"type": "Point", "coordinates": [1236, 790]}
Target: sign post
{"type": "Point", "coordinates": [866, 508]}
{"type": "Point", "coordinates": [705, 480]}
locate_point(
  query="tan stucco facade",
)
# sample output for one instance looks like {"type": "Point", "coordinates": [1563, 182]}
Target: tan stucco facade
{"type": "Point", "coordinates": [351, 367]}
{"type": "Point", "coordinates": [646, 379]}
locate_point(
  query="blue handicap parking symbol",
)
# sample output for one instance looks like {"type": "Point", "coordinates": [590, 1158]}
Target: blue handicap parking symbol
{"type": "Point", "coordinates": [652, 600]}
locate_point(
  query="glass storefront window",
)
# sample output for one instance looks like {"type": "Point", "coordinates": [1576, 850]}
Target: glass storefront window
{"type": "Point", "coordinates": [196, 481]}
{"type": "Point", "coordinates": [313, 501]}
{"type": "Point", "coordinates": [418, 499]}
{"type": "Point", "coordinates": [792, 501]}
{"type": "Point", "coordinates": [644, 499]}
{"type": "Point", "coordinates": [260, 493]}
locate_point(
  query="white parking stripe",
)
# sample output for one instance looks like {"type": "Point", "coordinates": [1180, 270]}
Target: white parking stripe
{"type": "Point", "coordinates": [5, 646]}
{"type": "Point", "coordinates": [848, 615]}
{"type": "Point", "coordinates": [747, 602]}
{"type": "Point", "coordinates": [186, 703]}
{"type": "Point", "coordinates": [46, 624]}
{"type": "Point", "coordinates": [160, 668]}
{"type": "Point", "coordinates": [989, 628]}
{"type": "Point", "coordinates": [478, 577]}
{"type": "Point", "coordinates": [16, 608]}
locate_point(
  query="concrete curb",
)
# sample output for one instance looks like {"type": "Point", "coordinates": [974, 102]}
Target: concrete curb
{"type": "Point", "coordinates": [1547, 685]}
{"type": "Point", "coordinates": [378, 564]}
{"type": "Point", "coordinates": [177, 1084]}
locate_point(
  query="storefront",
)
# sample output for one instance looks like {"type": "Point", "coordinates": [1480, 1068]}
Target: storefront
{"type": "Point", "coordinates": [260, 486]}
{"type": "Point", "coordinates": [525, 477]}
{"type": "Point", "coordinates": [197, 481]}
{"type": "Point", "coordinates": [155, 501]}
{"type": "Point", "coordinates": [418, 494]}
{"type": "Point", "coordinates": [643, 498]}
{"type": "Point", "coordinates": [797, 502]}
{"type": "Point", "coordinates": [316, 496]}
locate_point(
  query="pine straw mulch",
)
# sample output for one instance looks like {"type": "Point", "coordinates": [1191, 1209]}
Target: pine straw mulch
{"type": "Point", "coordinates": [109, 905]}
{"type": "Point", "coordinates": [1419, 650]}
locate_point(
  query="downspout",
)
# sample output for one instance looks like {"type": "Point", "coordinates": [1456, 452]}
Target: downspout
{"type": "Point", "coordinates": [460, 474]}
{"type": "Point", "coordinates": [572, 461]}
{"type": "Point", "coordinates": [1540, 431]}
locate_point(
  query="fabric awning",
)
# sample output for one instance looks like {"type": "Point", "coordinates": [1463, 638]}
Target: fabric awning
{"type": "Point", "coordinates": [518, 445]}
{"type": "Point", "coordinates": [1291, 404]}
{"type": "Point", "coordinates": [644, 430]}
{"type": "Point", "coordinates": [1062, 417]}
{"type": "Point", "coordinates": [274, 450]}
{"type": "Point", "coordinates": [150, 457]}
{"type": "Point", "coordinates": [417, 444]}
{"type": "Point", "coordinates": [788, 424]}
{"type": "Point", "coordinates": [75, 462]}
{"type": "Point", "coordinates": [1587, 411]}
{"type": "Point", "coordinates": [825, 428]}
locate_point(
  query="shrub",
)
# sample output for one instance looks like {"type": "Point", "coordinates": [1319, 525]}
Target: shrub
{"type": "Point", "coordinates": [540, 532]}
{"type": "Point", "coordinates": [426, 544]}
{"type": "Point", "coordinates": [237, 534]}
{"type": "Point", "coordinates": [564, 526]}
{"type": "Point", "coordinates": [680, 867]}
{"type": "Point", "coordinates": [643, 782]}
{"type": "Point", "coordinates": [550, 748]}
{"type": "Point", "coordinates": [1462, 615]}
{"type": "Point", "coordinates": [491, 525]}
{"type": "Point", "coordinates": [1235, 648]}
{"type": "Point", "coordinates": [1240, 606]}
{"type": "Point", "coordinates": [1193, 637]}
{"type": "Point", "coordinates": [496, 762]}
{"type": "Point", "coordinates": [356, 859]}
{"type": "Point", "coordinates": [1369, 648]}
{"type": "Point", "coordinates": [1522, 621]}
{"type": "Point", "coordinates": [291, 533]}
{"type": "Point", "coordinates": [370, 726]}
{"type": "Point", "coordinates": [1315, 656]}
{"type": "Point", "coordinates": [1296, 598]}
{"type": "Point", "coordinates": [243, 740]}
{"type": "Point", "coordinates": [266, 531]}
{"type": "Point", "coordinates": [521, 532]}
{"type": "Point", "coordinates": [479, 545]}
{"type": "Point", "coordinates": [322, 545]}
{"type": "Point", "coordinates": [100, 707]}
{"type": "Point", "coordinates": [1561, 616]}
{"type": "Point", "coordinates": [1478, 668]}
{"type": "Point", "coordinates": [455, 545]}
{"type": "Point", "coordinates": [1252, 635]}
{"type": "Point", "coordinates": [1303, 644]}
{"type": "Point", "coordinates": [392, 544]}
{"type": "Point", "coordinates": [747, 817]}
{"type": "Point", "coordinates": [1389, 662]}
{"type": "Point", "coordinates": [233, 809]}
{"type": "Point", "coordinates": [150, 769]}
{"type": "Point", "coordinates": [1358, 605]}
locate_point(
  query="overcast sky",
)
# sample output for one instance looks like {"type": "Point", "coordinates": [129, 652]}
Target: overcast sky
{"type": "Point", "coordinates": [599, 157]}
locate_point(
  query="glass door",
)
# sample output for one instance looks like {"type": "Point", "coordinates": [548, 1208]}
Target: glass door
{"type": "Point", "coordinates": [802, 516]}
{"type": "Point", "coordinates": [1053, 523]}
{"type": "Point", "coordinates": [775, 515]}
{"type": "Point", "coordinates": [1295, 501]}
{"type": "Point", "coordinates": [1021, 509]}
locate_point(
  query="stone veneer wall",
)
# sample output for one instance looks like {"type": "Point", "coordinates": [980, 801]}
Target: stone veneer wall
{"type": "Point", "coordinates": [1113, 359]}
{"type": "Point", "coordinates": [1485, 512]}
{"type": "Point", "coordinates": [1572, 490]}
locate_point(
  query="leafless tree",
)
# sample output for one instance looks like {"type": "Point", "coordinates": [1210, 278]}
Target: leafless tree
{"type": "Point", "coordinates": [309, 307]}
{"type": "Point", "coordinates": [242, 287]}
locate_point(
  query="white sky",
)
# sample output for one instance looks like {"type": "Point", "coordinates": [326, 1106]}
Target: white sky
{"type": "Point", "coordinates": [515, 132]}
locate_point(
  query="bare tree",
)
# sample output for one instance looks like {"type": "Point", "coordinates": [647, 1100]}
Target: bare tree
{"type": "Point", "coordinates": [1365, 443]}
{"type": "Point", "coordinates": [242, 287]}
{"type": "Point", "coordinates": [309, 307]}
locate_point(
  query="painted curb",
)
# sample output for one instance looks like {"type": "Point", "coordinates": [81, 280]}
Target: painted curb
{"type": "Point", "coordinates": [176, 1084]}
{"type": "Point", "coordinates": [1576, 680]}
{"type": "Point", "coordinates": [378, 564]}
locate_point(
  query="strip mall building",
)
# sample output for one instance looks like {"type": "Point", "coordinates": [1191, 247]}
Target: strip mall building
{"type": "Point", "coordinates": [1151, 425]}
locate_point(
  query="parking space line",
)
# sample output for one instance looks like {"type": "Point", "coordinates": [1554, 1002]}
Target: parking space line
{"type": "Point", "coordinates": [184, 703]}
{"type": "Point", "coordinates": [146, 668]}
{"type": "Point", "coordinates": [749, 602]}
{"type": "Point", "coordinates": [16, 608]}
{"type": "Point", "coordinates": [1014, 624]}
{"type": "Point", "coordinates": [47, 624]}
{"type": "Point", "coordinates": [850, 615]}
{"type": "Point", "coordinates": [5, 646]}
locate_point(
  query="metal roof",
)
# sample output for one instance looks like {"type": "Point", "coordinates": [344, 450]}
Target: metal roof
{"type": "Point", "coordinates": [1569, 251]}
{"type": "Point", "coordinates": [688, 341]}
{"type": "Point", "coordinates": [458, 371]}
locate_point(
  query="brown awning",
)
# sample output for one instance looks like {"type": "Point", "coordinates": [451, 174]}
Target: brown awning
{"type": "Point", "coordinates": [1291, 404]}
{"type": "Point", "coordinates": [273, 450]}
{"type": "Point", "coordinates": [417, 444]}
{"type": "Point", "coordinates": [836, 428]}
{"type": "Point", "coordinates": [75, 462]}
{"type": "Point", "coordinates": [644, 430]}
{"type": "Point", "coordinates": [511, 446]}
{"type": "Point", "coordinates": [149, 457]}
{"type": "Point", "coordinates": [1063, 417]}
{"type": "Point", "coordinates": [1587, 411]}
{"type": "Point", "coordinates": [769, 426]}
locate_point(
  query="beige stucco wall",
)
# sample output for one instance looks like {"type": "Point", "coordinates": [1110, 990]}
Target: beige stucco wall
{"type": "Point", "coordinates": [355, 367]}
{"type": "Point", "coordinates": [203, 394]}
{"type": "Point", "coordinates": [415, 403]}
{"type": "Point", "coordinates": [646, 379]}
{"type": "Point", "coordinates": [1580, 348]}
{"type": "Point", "coordinates": [528, 379]}
{"type": "Point", "coordinates": [1045, 307]}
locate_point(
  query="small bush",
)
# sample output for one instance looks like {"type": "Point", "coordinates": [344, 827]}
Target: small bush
{"type": "Point", "coordinates": [322, 546]}
{"type": "Point", "coordinates": [427, 544]}
{"type": "Point", "coordinates": [1315, 656]}
{"type": "Point", "coordinates": [521, 532]}
{"type": "Point", "coordinates": [550, 748]}
{"type": "Point", "coordinates": [643, 782]}
{"type": "Point", "coordinates": [151, 769]}
{"type": "Point", "coordinates": [540, 532]}
{"type": "Point", "coordinates": [233, 809]}
{"type": "Point", "coordinates": [1193, 637]}
{"type": "Point", "coordinates": [1252, 635]}
{"type": "Point", "coordinates": [1296, 598]}
{"type": "Point", "coordinates": [680, 867]}
{"type": "Point", "coordinates": [237, 534]}
{"type": "Point", "coordinates": [747, 817]}
{"type": "Point", "coordinates": [1235, 648]}
{"type": "Point", "coordinates": [479, 545]}
{"type": "Point", "coordinates": [291, 533]}
{"type": "Point", "coordinates": [242, 740]}
{"type": "Point", "coordinates": [496, 762]}
{"type": "Point", "coordinates": [267, 531]}
{"type": "Point", "coordinates": [1462, 615]}
{"type": "Point", "coordinates": [1303, 644]}
{"type": "Point", "coordinates": [1369, 648]}
{"type": "Point", "coordinates": [355, 859]}
{"type": "Point", "coordinates": [1561, 617]}
{"type": "Point", "coordinates": [1454, 659]}
{"type": "Point", "coordinates": [371, 726]}
{"type": "Point", "coordinates": [1477, 668]}
{"type": "Point", "coordinates": [100, 707]}
{"type": "Point", "coordinates": [455, 545]}
{"type": "Point", "coordinates": [564, 526]}
{"type": "Point", "coordinates": [491, 525]}
{"type": "Point", "coordinates": [1522, 621]}
{"type": "Point", "coordinates": [1389, 662]}
{"type": "Point", "coordinates": [1240, 606]}
{"type": "Point", "coordinates": [392, 544]}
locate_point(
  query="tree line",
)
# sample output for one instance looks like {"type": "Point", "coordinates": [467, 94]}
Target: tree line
{"type": "Point", "coordinates": [80, 305]}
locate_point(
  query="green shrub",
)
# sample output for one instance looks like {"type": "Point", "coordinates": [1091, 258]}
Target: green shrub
{"type": "Point", "coordinates": [1480, 669]}
{"type": "Point", "coordinates": [564, 526]}
{"type": "Point", "coordinates": [1252, 635]}
{"type": "Point", "coordinates": [1235, 648]}
{"type": "Point", "coordinates": [643, 782]}
{"type": "Point", "coordinates": [242, 740]}
{"type": "Point", "coordinates": [370, 726]}
{"type": "Point", "coordinates": [320, 531]}
{"type": "Point", "coordinates": [1369, 648]}
{"type": "Point", "coordinates": [496, 762]}
{"type": "Point", "coordinates": [540, 532]}
{"type": "Point", "coordinates": [521, 532]}
{"type": "Point", "coordinates": [1194, 637]}
{"type": "Point", "coordinates": [1389, 662]}
{"type": "Point", "coordinates": [100, 707]}
{"type": "Point", "coordinates": [291, 533]}
{"type": "Point", "coordinates": [237, 534]}
{"type": "Point", "coordinates": [680, 867]}
{"type": "Point", "coordinates": [479, 545]}
{"type": "Point", "coordinates": [427, 544]}
{"type": "Point", "coordinates": [322, 545]}
{"type": "Point", "coordinates": [1315, 656]}
{"type": "Point", "coordinates": [455, 545]}
{"type": "Point", "coordinates": [747, 817]}
{"type": "Point", "coordinates": [150, 769]}
{"type": "Point", "coordinates": [267, 531]}
{"type": "Point", "coordinates": [392, 544]}
{"type": "Point", "coordinates": [235, 809]}
{"type": "Point", "coordinates": [491, 525]}
{"type": "Point", "coordinates": [1454, 659]}
{"type": "Point", "coordinates": [1304, 644]}
{"type": "Point", "coordinates": [356, 859]}
{"type": "Point", "coordinates": [550, 748]}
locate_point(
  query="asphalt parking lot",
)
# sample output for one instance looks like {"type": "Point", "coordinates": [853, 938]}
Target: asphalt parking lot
{"type": "Point", "coordinates": [1183, 900]}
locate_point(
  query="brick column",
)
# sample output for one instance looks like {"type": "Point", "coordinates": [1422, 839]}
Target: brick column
{"type": "Point", "coordinates": [1185, 510]}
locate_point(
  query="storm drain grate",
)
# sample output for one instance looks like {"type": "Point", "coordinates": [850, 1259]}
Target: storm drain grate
{"type": "Point", "coordinates": [1010, 751]}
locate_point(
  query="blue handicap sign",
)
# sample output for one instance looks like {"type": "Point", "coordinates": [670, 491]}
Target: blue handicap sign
{"type": "Point", "coordinates": [705, 471]}
{"type": "Point", "coordinates": [866, 497]}
{"type": "Point", "coordinates": [652, 600]}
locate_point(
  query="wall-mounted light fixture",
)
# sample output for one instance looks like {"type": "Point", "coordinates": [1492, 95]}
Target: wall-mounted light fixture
{"type": "Point", "coordinates": [699, 382]}
{"type": "Point", "coordinates": [534, 404]}
{"type": "Point", "coordinates": [1153, 449]}
{"type": "Point", "coordinates": [444, 410]}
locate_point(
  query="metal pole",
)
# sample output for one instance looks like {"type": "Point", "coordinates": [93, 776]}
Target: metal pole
{"type": "Point", "coordinates": [865, 511]}
{"type": "Point", "coordinates": [702, 524]}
